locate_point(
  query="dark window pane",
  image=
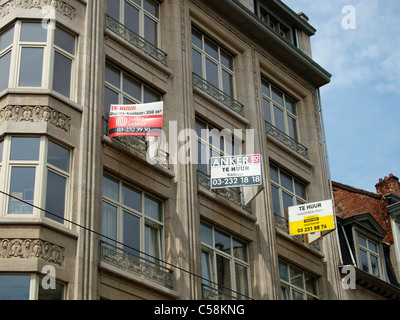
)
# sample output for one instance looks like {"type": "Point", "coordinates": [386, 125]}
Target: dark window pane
{"type": "Point", "coordinates": [62, 74]}
{"type": "Point", "coordinates": [22, 187]}
{"type": "Point", "coordinates": [30, 74]}
{"type": "Point", "coordinates": [150, 30]}
{"type": "Point", "coordinates": [33, 32]}
{"type": "Point", "coordinates": [14, 287]}
{"type": "Point", "coordinates": [113, 9]}
{"type": "Point", "coordinates": [58, 156]}
{"type": "Point", "coordinates": [64, 40]}
{"type": "Point", "coordinates": [222, 241]}
{"type": "Point", "coordinates": [5, 61]}
{"type": "Point", "coordinates": [49, 293]}
{"type": "Point", "coordinates": [152, 208]}
{"type": "Point", "coordinates": [24, 148]}
{"type": "Point", "coordinates": [132, 198]}
{"type": "Point", "coordinates": [131, 232]}
{"type": "Point", "coordinates": [113, 75]}
{"type": "Point", "coordinates": [6, 38]}
{"type": "Point", "coordinates": [55, 197]}
{"type": "Point", "coordinates": [151, 6]}
{"type": "Point", "coordinates": [131, 18]}
{"type": "Point", "coordinates": [110, 97]}
{"type": "Point", "coordinates": [197, 65]}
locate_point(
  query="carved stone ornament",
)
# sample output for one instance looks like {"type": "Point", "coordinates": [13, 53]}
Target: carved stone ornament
{"type": "Point", "coordinates": [60, 6]}
{"type": "Point", "coordinates": [31, 248]}
{"type": "Point", "coordinates": [36, 114]}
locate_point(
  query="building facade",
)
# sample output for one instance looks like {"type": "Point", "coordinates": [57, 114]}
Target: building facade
{"type": "Point", "coordinates": [135, 218]}
{"type": "Point", "coordinates": [367, 225]}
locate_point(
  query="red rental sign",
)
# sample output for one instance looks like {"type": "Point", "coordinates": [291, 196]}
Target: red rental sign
{"type": "Point", "coordinates": [136, 119]}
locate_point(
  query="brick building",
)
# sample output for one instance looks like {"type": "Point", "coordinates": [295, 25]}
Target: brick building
{"type": "Point", "coordinates": [368, 235]}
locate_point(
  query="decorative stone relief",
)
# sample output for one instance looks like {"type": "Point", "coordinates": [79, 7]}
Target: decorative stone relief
{"type": "Point", "coordinates": [31, 248]}
{"type": "Point", "coordinates": [60, 6]}
{"type": "Point", "coordinates": [36, 114]}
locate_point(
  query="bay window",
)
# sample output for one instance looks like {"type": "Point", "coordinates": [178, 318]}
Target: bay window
{"type": "Point", "coordinates": [36, 56]}
{"type": "Point", "coordinates": [35, 171]}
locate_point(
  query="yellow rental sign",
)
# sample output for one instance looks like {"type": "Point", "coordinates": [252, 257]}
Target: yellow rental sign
{"type": "Point", "coordinates": [311, 217]}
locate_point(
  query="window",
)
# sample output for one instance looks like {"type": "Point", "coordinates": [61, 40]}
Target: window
{"type": "Point", "coordinates": [19, 287]}
{"type": "Point", "coordinates": [39, 57]}
{"type": "Point", "coordinates": [132, 217]}
{"type": "Point", "coordinates": [297, 284]}
{"type": "Point", "coordinates": [369, 260]}
{"type": "Point", "coordinates": [212, 62]}
{"type": "Point", "coordinates": [123, 88]}
{"type": "Point", "coordinates": [280, 28]}
{"type": "Point", "coordinates": [213, 143]}
{"type": "Point", "coordinates": [286, 190]}
{"type": "Point", "coordinates": [140, 16]}
{"type": "Point", "coordinates": [280, 110]}
{"type": "Point", "coordinates": [37, 171]}
{"type": "Point", "coordinates": [225, 262]}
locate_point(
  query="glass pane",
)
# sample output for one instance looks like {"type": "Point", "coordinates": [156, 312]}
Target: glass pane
{"type": "Point", "coordinates": [211, 48]}
{"type": "Point", "coordinates": [30, 73]}
{"type": "Point", "coordinates": [151, 6]}
{"type": "Point", "coordinates": [6, 38]}
{"type": "Point", "coordinates": [33, 32]}
{"type": "Point", "coordinates": [202, 161]}
{"type": "Point", "coordinates": [241, 281]}
{"type": "Point", "coordinates": [364, 260]}
{"type": "Point", "coordinates": [112, 75]}
{"type": "Point", "coordinates": [285, 291]}
{"type": "Point", "coordinates": [362, 241]}
{"type": "Point", "coordinates": [197, 67]}
{"type": "Point", "coordinates": [55, 196]}
{"type": "Point", "coordinates": [22, 187]}
{"type": "Point", "coordinates": [132, 87]}
{"type": "Point", "coordinates": [212, 72]}
{"type": "Point", "coordinates": [292, 128]}
{"type": "Point", "coordinates": [223, 274]}
{"type": "Point", "coordinates": [150, 95]}
{"type": "Point", "coordinates": [286, 181]}
{"type": "Point", "coordinates": [58, 156]}
{"type": "Point", "coordinates": [222, 241]}
{"type": "Point", "coordinates": [279, 120]}
{"type": "Point", "coordinates": [197, 38]}
{"type": "Point", "coordinates": [277, 96]}
{"type": "Point", "coordinates": [110, 188]}
{"type": "Point", "coordinates": [113, 9]}
{"type": "Point", "coordinates": [49, 293]}
{"type": "Point", "coordinates": [273, 171]}
{"type": "Point", "coordinates": [311, 284]}
{"type": "Point", "coordinates": [152, 208]}
{"type": "Point", "coordinates": [24, 148]}
{"type": "Point", "coordinates": [296, 295]}
{"type": "Point", "coordinates": [227, 82]}
{"type": "Point", "coordinates": [125, 100]}
{"type": "Point", "coordinates": [267, 111]}
{"type": "Point", "coordinates": [275, 200]}
{"type": "Point", "coordinates": [239, 249]}
{"type": "Point", "coordinates": [152, 243]}
{"type": "Point", "coordinates": [110, 97]}
{"type": "Point", "coordinates": [296, 277]}
{"type": "Point", "coordinates": [131, 232]}
{"type": "Point", "coordinates": [14, 287]}
{"type": "Point", "coordinates": [64, 40]}
{"type": "Point", "coordinates": [132, 198]}
{"type": "Point", "coordinates": [109, 221]}
{"type": "Point", "coordinates": [200, 129]}
{"type": "Point", "coordinates": [5, 61]}
{"type": "Point", "coordinates": [150, 30]}
{"type": "Point", "coordinates": [226, 59]}
{"type": "Point", "coordinates": [1, 150]}
{"type": "Point", "coordinates": [265, 88]}
{"type": "Point", "coordinates": [206, 234]}
{"type": "Point", "coordinates": [131, 17]}
{"type": "Point", "coordinates": [62, 74]}
{"type": "Point", "coordinates": [372, 246]}
{"type": "Point", "coordinates": [283, 271]}
{"type": "Point", "coordinates": [287, 200]}
{"type": "Point", "coordinates": [290, 105]}
{"type": "Point", "coordinates": [300, 189]}
{"type": "Point", "coordinates": [374, 265]}
{"type": "Point", "coordinates": [206, 267]}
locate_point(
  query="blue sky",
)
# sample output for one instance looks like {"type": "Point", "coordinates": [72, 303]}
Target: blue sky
{"type": "Point", "coordinates": [361, 104]}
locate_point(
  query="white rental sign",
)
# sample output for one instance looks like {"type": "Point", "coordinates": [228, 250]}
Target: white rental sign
{"type": "Point", "coordinates": [236, 171]}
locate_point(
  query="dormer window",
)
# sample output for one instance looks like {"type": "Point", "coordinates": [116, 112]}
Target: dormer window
{"type": "Point", "coordinates": [369, 258]}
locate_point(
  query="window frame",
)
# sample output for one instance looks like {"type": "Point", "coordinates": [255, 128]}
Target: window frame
{"type": "Point", "coordinates": [378, 254]}
{"type": "Point", "coordinates": [143, 13]}
{"type": "Point", "coordinates": [287, 284]}
{"type": "Point", "coordinates": [48, 56]}
{"type": "Point", "coordinates": [283, 108]}
{"type": "Point", "coordinates": [221, 67]}
{"type": "Point", "coordinates": [296, 198]}
{"type": "Point", "coordinates": [212, 252]}
{"type": "Point", "coordinates": [42, 167]}
{"type": "Point", "coordinates": [144, 219]}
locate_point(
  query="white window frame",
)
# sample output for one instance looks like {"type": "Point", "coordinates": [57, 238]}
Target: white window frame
{"type": "Point", "coordinates": [212, 253]}
{"type": "Point", "coordinates": [49, 50]}
{"type": "Point", "coordinates": [145, 220]}
{"type": "Point", "coordinates": [40, 185]}
{"type": "Point", "coordinates": [378, 254]}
